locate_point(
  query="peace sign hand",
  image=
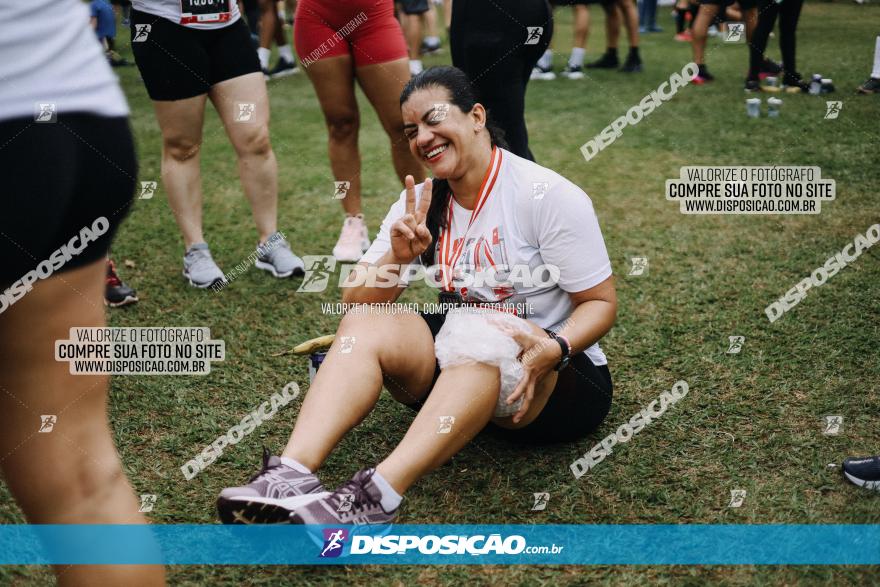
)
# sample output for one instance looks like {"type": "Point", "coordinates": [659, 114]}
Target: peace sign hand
{"type": "Point", "coordinates": [410, 236]}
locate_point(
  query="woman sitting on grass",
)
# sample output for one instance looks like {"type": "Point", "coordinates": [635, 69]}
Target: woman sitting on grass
{"type": "Point", "coordinates": [488, 211]}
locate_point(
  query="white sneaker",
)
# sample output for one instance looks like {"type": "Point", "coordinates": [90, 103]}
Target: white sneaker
{"type": "Point", "coordinates": [353, 240]}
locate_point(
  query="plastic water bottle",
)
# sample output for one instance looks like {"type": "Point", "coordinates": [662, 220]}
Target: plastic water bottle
{"type": "Point", "coordinates": [753, 107]}
{"type": "Point", "coordinates": [816, 85]}
{"type": "Point", "coordinates": [773, 105]}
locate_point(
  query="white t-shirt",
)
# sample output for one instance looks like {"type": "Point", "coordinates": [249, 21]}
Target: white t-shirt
{"type": "Point", "coordinates": [196, 14]}
{"type": "Point", "coordinates": [51, 56]}
{"type": "Point", "coordinates": [527, 217]}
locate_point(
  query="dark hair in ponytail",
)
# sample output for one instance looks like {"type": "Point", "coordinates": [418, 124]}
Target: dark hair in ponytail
{"type": "Point", "coordinates": [462, 95]}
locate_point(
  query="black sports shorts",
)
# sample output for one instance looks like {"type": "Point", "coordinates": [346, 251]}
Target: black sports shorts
{"type": "Point", "coordinates": [414, 6]}
{"type": "Point", "coordinates": [58, 178]}
{"type": "Point", "coordinates": [578, 405]}
{"type": "Point", "coordinates": [584, 2]}
{"type": "Point", "coordinates": [744, 4]}
{"type": "Point", "coordinates": [178, 62]}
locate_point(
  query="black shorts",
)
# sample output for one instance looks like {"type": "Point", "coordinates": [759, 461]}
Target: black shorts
{"type": "Point", "coordinates": [744, 4]}
{"type": "Point", "coordinates": [178, 62]}
{"type": "Point", "coordinates": [578, 405]}
{"type": "Point", "coordinates": [584, 2]}
{"type": "Point", "coordinates": [414, 6]}
{"type": "Point", "coordinates": [57, 179]}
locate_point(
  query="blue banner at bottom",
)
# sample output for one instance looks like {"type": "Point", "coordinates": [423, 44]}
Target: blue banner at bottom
{"type": "Point", "coordinates": [442, 544]}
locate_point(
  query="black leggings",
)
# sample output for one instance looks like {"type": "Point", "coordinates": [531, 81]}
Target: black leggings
{"type": "Point", "coordinates": [789, 11]}
{"type": "Point", "coordinates": [578, 405]}
{"type": "Point", "coordinates": [491, 42]}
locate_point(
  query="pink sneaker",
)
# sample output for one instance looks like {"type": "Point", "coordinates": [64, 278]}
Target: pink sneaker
{"type": "Point", "coordinates": [353, 240]}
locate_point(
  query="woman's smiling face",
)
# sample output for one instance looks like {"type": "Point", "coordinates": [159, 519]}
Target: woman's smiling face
{"type": "Point", "coordinates": [439, 133]}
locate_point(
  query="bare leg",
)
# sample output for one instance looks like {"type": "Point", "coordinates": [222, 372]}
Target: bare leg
{"type": "Point", "coordinates": [382, 84]}
{"type": "Point", "coordinates": [413, 29]}
{"type": "Point", "coordinates": [268, 21]}
{"type": "Point", "coordinates": [346, 388]}
{"type": "Point", "coordinates": [612, 25]}
{"type": "Point", "coordinates": [249, 133]}
{"type": "Point", "coordinates": [181, 123]}
{"type": "Point", "coordinates": [71, 475]}
{"type": "Point", "coordinates": [581, 25]}
{"type": "Point", "coordinates": [700, 30]}
{"type": "Point", "coordinates": [630, 16]}
{"type": "Point", "coordinates": [333, 79]}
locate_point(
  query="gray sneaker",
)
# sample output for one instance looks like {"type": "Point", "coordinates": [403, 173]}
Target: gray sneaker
{"type": "Point", "coordinates": [275, 256]}
{"type": "Point", "coordinates": [270, 495]}
{"type": "Point", "coordinates": [199, 267]}
{"type": "Point", "coordinates": [356, 502]}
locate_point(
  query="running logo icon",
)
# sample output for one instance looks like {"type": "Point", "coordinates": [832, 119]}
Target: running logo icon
{"type": "Point", "coordinates": [148, 190]}
{"type": "Point", "coordinates": [334, 542]}
{"type": "Point", "coordinates": [446, 423]}
{"type": "Point", "coordinates": [47, 423]}
{"type": "Point", "coordinates": [346, 344]}
{"type": "Point", "coordinates": [737, 497]}
{"type": "Point", "coordinates": [45, 112]}
{"type": "Point", "coordinates": [832, 109]}
{"type": "Point", "coordinates": [439, 113]}
{"type": "Point", "coordinates": [341, 190]}
{"type": "Point", "coordinates": [244, 111]}
{"type": "Point", "coordinates": [735, 32]}
{"type": "Point", "coordinates": [346, 503]}
{"type": "Point", "coordinates": [148, 500]}
{"type": "Point", "coordinates": [639, 266]}
{"type": "Point", "coordinates": [539, 189]}
{"type": "Point", "coordinates": [541, 500]}
{"type": "Point", "coordinates": [534, 34]}
{"type": "Point", "coordinates": [319, 268]}
{"type": "Point", "coordinates": [833, 425]}
{"type": "Point", "coordinates": [141, 32]}
{"type": "Point", "coordinates": [736, 344]}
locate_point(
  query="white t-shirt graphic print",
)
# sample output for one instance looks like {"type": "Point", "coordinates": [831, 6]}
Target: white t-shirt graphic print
{"type": "Point", "coordinates": [531, 217]}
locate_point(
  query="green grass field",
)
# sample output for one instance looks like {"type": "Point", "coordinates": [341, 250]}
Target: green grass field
{"type": "Point", "coordinates": [751, 421]}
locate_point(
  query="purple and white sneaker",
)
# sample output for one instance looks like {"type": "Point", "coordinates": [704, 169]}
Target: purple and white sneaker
{"type": "Point", "coordinates": [357, 502]}
{"type": "Point", "coordinates": [270, 495]}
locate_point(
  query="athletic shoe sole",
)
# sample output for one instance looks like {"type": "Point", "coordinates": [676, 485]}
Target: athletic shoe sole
{"type": "Point", "coordinates": [127, 301]}
{"type": "Point", "coordinates": [262, 510]}
{"type": "Point", "coordinates": [543, 76]}
{"type": "Point", "coordinates": [285, 73]}
{"type": "Point", "coordinates": [203, 285]}
{"type": "Point", "coordinates": [271, 269]}
{"type": "Point", "coordinates": [875, 485]}
{"type": "Point", "coordinates": [573, 75]}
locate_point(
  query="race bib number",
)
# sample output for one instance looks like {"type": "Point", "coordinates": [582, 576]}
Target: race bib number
{"type": "Point", "coordinates": [204, 11]}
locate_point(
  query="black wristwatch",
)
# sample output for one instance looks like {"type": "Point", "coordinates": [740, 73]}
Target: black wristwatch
{"type": "Point", "coordinates": [566, 350]}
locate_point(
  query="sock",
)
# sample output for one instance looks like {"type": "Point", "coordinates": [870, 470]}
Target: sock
{"type": "Point", "coordinates": [577, 57]}
{"type": "Point", "coordinates": [390, 498]}
{"type": "Point", "coordinates": [634, 54]}
{"type": "Point", "coordinates": [432, 40]}
{"type": "Point", "coordinates": [415, 66]}
{"type": "Point", "coordinates": [546, 60]}
{"type": "Point", "coordinates": [286, 53]}
{"type": "Point", "coordinates": [875, 73]}
{"type": "Point", "coordinates": [264, 54]}
{"type": "Point", "coordinates": [295, 464]}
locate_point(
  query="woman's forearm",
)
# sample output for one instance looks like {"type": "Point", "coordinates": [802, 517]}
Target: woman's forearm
{"type": "Point", "coordinates": [589, 322]}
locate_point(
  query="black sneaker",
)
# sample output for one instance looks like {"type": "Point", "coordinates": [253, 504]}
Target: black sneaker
{"type": "Point", "coordinates": [793, 83]}
{"type": "Point", "coordinates": [872, 86]}
{"type": "Point", "coordinates": [703, 76]}
{"type": "Point", "coordinates": [283, 68]}
{"type": "Point", "coordinates": [116, 293]}
{"type": "Point", "coordinates": [632, 65]}
{"type": "Point", "coordinates": [769, 68]}
{"type": "Point", "coordinates": [607, 61]}
{"type": "Point", "coordinates": [863, 471]}
{"type": "Point", "coordinates": [752, 85]}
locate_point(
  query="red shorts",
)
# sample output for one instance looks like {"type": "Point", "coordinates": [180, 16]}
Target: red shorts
{"type": "Point", "coordinates": [364, 29]}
